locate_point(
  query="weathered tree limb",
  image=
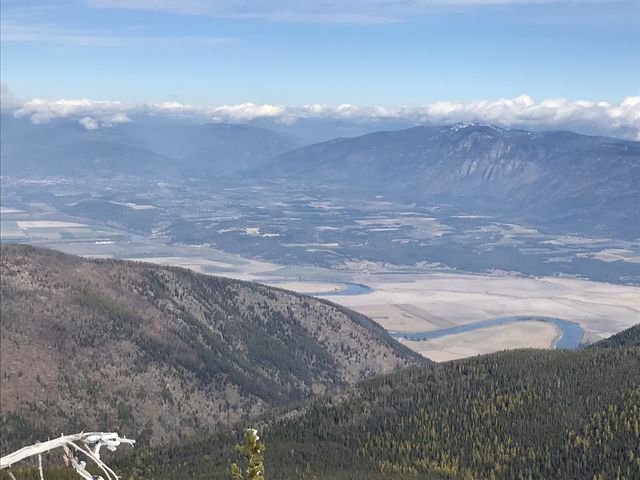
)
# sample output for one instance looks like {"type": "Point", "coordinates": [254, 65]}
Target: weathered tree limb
{"type": "Point", "coordinates": [40, 466]}
{"type": "Point", "coordinates": [37, 449]}
{"type": "Point", "coordinates": [70, 444]}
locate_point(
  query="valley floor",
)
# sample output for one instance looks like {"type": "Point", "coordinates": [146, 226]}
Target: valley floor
{"type": "Point", "coordinates": [422, 302]}
{"type": "Point", "coordinates": [487, 340]}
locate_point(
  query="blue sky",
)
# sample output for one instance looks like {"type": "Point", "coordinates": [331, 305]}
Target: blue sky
{"type": "Point", "coordinates": [361, 52]}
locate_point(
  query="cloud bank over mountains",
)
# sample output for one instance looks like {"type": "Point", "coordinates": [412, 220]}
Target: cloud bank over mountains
{"type": "Point", "coordinates": [619, 120]}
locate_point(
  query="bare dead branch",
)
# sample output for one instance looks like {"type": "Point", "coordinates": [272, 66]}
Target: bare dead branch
{"type": "Point", "coordinates": [87, 443]}
{"type": "Point", "coordinates": [40, 466]}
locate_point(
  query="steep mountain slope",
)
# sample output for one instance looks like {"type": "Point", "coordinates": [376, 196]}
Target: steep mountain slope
{"type": "Point", "coordinates": [627, 338]}
{"type": "Point", "coordinates": [137, 148]}
{"type": "Point", "coordinates": [581, 182]}
{"type": "Point", "coordinates": [159, 353]}
{"type": "Point", "coordinates": [516, 414]}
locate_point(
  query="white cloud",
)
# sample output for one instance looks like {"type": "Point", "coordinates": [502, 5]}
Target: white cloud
{"type": "Point", "coordinates": [42, 111]}
{"type": "Point", "coordinates": [621, 120]}
{"type": "Point", "coordinates": [88, 123]}
{"type": "Point", "coordinates": [118, 118]}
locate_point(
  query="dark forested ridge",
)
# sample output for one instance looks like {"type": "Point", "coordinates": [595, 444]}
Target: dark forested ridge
{"type": "Point", "coordinates": [627, 338]}
{"type": "Point", "coordinates": [527, 414]}
{"type": "Point", "coordinates": [159, 353]}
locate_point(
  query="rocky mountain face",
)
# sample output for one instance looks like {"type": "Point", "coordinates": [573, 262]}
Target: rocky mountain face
{"type": "Point", "coordinates": [554, 178]}
{"type": "Point", "coordinates": [160, 353]}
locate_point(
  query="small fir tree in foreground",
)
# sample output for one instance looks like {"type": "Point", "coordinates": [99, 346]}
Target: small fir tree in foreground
{"type": "Point", "coordinates": [253, 452]}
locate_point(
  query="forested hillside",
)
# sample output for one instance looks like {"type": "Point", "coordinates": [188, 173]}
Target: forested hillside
{"type": "Point", "coordinates": [161, 353]}
{"type": "Point", "coordinates": [627, 338]}
{"type": "Point", "coordinates": [526, 414]}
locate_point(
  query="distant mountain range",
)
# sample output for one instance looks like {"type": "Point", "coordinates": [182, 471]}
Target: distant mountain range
{"type": "Point", "coordinates": [558, 180]}
{"type": "Point", "coordinates": [554, 178]}
{"type": "Point", "coordinates": [161, 353]}
{"type": "Point", "coordinates": [67, 148]}
{"type": "Point", "coordinates": [212, 148]}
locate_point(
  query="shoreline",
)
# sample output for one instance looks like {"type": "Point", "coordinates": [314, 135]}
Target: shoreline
{"type": "Point", "coordinates": [525, 334]}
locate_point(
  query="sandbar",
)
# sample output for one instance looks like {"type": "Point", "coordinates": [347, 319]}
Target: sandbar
{"type": "Point", "coordinates": [491, 339]}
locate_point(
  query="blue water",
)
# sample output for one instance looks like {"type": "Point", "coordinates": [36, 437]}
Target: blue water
{"type": "Point", "coordinates": [571, 333]}
{"type": "Point", "coordinates": [350, 289]}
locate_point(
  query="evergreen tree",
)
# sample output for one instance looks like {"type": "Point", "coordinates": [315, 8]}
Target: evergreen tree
{"type": "Point", "coordinates": [253, 452]}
